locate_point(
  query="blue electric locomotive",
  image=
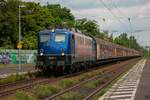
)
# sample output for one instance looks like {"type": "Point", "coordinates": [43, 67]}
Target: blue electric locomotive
{"type": "Point", "coordinates": [64, 50]}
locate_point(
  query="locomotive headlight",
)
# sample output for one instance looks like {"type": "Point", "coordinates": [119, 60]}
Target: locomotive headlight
{"type": "Point", "coordinates": [62, 53]}
{"type": "Point", "coordinates": [62, 50]}
{"type": "Point", "coordinates": [41, 54]}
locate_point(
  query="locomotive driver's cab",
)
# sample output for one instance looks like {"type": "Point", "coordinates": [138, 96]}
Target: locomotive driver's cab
{"type": "Point", "coordinates": [54, 48]}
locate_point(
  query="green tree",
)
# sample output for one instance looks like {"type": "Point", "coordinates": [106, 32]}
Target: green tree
{"type": "Point", "coordinates": [61, 16]}
{"type": "Point", "coordinates": [122, 40]}
{"type": "Point", "coordinates": [9, 23]}
{"type": "Point", "coordinates": [110, 38]}
{"type": "Point", "coordinates": [34, 18]}
{"type": "Point", "coordinates": [89, 26]}
{"type": "Point", "coordinates": [130, 42]}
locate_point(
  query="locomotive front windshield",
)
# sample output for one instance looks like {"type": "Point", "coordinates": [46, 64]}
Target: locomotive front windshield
{"type": "Point", "coordinates": [44, 37]}
{"type": "Point", "coordinates": [60, 37]}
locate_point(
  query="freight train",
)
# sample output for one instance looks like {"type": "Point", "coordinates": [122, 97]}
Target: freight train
{"type": "Point", "coordinates": [70, 50]}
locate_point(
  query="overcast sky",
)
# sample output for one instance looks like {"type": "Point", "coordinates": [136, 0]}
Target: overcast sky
{"type": "Point", "coordinates": [116, 14]}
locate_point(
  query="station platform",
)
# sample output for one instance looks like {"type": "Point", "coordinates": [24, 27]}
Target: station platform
{"type": "Point", "coordinates": [135, 85]}
{"type": "Point", "coordinates": [143, 90]}
{"type": "Point", "coordinates": [10, 69]}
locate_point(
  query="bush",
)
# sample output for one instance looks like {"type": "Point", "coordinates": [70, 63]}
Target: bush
{"type": "Point", "coordinates": [93, 84]}
{"type": "Point", "coordinates": [70, 96]}
{"type": "Point", "coordinates": [16, 77]}
{"type": "Point", "coordinates": [12, 78]}
{"type": "Point", "coordinates": [29, 75]}
{"type": "Point", "coordinates": [53, 88]}
{"type": "Point", "coordinates": [86, 75]}
{"type": "Point", "coordinates": [66, 83]}
{"type": "Point", "coordinates": [43, 91]}
{"type": "Point", "coordinates": [20, 95]}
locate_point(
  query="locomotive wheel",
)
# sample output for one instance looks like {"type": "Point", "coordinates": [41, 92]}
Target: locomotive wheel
{"type": "Point", "coordinates": [69, 69]}
{"type": "Point", "coordinates": [76, 68]}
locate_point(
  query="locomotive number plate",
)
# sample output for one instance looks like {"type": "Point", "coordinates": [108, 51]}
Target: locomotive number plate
{"type": "Point", "coordinates": [51, 58]}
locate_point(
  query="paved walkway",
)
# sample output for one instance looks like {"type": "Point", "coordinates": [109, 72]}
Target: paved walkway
{"type": "Point", "coordinates": [8, 70]}
{"type": "Point", "coordinates": [143, 91]}
{"type": "Point", "coordinates": [125, 88]}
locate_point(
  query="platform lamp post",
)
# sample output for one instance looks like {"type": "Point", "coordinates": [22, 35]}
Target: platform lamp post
{"type": "Point", "coordinates": [129, 19]}
{"type": "Point", "coordinates": [104, 20]}
{"type": "Point", "coordinates": [104, 26]}
{"type": "Point", "coordinates": [19, 45]}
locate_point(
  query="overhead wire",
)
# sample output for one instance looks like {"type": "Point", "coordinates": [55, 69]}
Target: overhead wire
{"type": "Point", "coordinates": [121, 13]}
{"type": "Point", "coordinates": [129, 19]}
{"type": "Point", "coordinates": [109, 9]}
{"type": "Point", "coordinates": [124, 16]}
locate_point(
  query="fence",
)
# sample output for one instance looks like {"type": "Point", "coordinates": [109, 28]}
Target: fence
{"type": "Point", "coordinates": [11, 56]}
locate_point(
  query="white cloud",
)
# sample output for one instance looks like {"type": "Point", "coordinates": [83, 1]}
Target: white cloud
{"type": "Point", "coordinates": [137, 10]}
{"type": "Point", "coordinates": [135, 13]}
{"type": "Point", "coordinates": [140, 19]}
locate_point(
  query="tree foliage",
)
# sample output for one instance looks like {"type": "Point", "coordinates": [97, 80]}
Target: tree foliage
{"type": "Point", "coordinates": [129, 42]}
{"type": "Point", "coordinates": [35, 17]}
{"type": "Point", "coordinates": [8, 20]}
{"type": "Point", "coordinates": [90, 27]}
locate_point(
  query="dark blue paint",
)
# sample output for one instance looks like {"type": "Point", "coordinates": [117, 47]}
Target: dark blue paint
{"type": "Point", "coordinates": [51, 46]}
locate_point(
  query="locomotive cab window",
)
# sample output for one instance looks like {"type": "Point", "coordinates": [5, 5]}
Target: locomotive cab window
{"type": "Point", "coordinates": [44, 37]}
{"type": "Point", "coordinates": [60, 37]}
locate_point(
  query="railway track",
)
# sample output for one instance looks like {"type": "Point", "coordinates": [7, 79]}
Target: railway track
{"type": "Point", "coordinates": [125, 88]}
{"type": "Point", "coordinates": [102, 87]}
{"type": "Point", "coordinates": [9, 89]}
{"type": "Point", "coordinates": [111, 73]}
{"type": "Point", "coordinates": [5, 91]}
{"type": "Point", "coordinates": [7, 85]}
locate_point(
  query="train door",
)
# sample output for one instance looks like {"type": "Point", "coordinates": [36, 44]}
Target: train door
{"type": "Point", "coordinates": [94, 49]}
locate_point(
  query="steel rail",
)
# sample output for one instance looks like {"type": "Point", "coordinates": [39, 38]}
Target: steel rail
{"type": "Point", "coordinates": [102, 87]}
{"type": "Point", "coordinates": [83, 82]}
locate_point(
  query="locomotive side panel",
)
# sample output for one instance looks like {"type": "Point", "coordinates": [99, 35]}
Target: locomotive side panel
{"type": "Point", "coordinates": [83, 48]}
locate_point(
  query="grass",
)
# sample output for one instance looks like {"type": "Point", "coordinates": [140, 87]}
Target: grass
{"type": "Point", "coordinates": [17, 77]}
{"type": "Point", "coordinates": [20, 95]}
{"type": "Point", "coordinates": [12, 79]}
{"type": "Point", "coordinates": [70, 96]}
{"type": "Point", "coordinates": [146, 57]}
{"type": "Point", "coordinates": [42, 91]}
{"type": "Point", "coordinates": [53, 88]}
{"type": "Point", "coordinates": [86, 75]}
{"type": "Point", "coordinates": [106, 89]}
{"type": "Point", "coordinates": [66, 83]}
{"type": "Point", "coordinates": [93, 84]}
{"type": "Point", "coordinates": [111, 84]}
